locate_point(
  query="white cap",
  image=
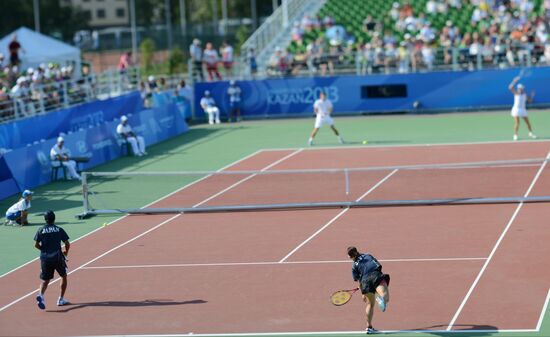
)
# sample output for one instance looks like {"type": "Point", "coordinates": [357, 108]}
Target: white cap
{"type": "Point", "coordinates": [206, 93]}
{"type": "Point", "coordinates": [30, 71]}
{"type": "Point", "coordinates": [151, 78]}
{"type": "Point", "coordinates": [232, 82]}
{"type": "Point", "coordinates": [520, 86]}
{"type": "Point", "coordinates": [123, 118]}
{"type": "Point", "coordinates": [60, 139]}
{"type": "Point", "coordinates": [21, 79]}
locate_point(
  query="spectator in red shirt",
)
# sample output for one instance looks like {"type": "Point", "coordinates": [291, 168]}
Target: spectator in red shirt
{"type": "Point", "coordinates": [14, 47]}
{"type": "Point", "coordinates": [125, 62]}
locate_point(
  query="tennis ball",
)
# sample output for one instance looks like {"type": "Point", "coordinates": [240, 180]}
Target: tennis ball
{"type": "Point", "coordinates": [365, 142]}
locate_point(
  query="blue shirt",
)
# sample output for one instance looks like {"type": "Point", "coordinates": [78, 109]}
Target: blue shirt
{"type": "Point", "coordinates": [50, 238]}
{"type": "Point", "coordinates": [364, 265]}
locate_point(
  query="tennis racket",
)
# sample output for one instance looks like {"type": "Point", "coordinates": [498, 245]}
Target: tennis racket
{"type": "Point", "coordinates": [525, 72]}
{"type": "Point", "coordinates": [342, 297]}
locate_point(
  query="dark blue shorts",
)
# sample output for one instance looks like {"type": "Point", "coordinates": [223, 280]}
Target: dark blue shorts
{"type": "Point", "coordinates": [373, 280]}
{"type": "Point", "coordinates": [49, 266]}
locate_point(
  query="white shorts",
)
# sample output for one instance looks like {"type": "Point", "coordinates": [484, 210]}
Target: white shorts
{"type": "Point", "coordinates": [321, 120]}
{"type": "Point", "coordinates": [519, 113]}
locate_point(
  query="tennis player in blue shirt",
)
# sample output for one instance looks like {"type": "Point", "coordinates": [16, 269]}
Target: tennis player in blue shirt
{"type": "Point", "coordinates": [367, 271]}
{"type": "Point", "coordinates": [48, 240]}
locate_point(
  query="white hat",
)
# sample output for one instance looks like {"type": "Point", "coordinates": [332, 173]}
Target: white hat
{"type": "Point", "coordinates": [520, 86]}
{"type": "Point", "coordinates": [60, 140]}
{"type": "Point", "coordinates": [123, 118]}
{"type": "Point", "coordinates": [206, 93]}
{"type": "Point", "coordinates": [30, 71]}
{"type": "Point", "coordinates": [232, 82]}
{"type": "Point", "coordinates": [151, 78]}
{"type": "Point", "coordinates": [21, 79]}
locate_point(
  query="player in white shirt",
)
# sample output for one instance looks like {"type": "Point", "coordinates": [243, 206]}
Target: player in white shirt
{"type": "Point", "coordinates": [60, 155]}
{"type": "Point", "coordinates": [137, 142]}
{"type": "Point", "coordinates": [17, 214]}
{"type": "Point", "coordinates": [209, 106]}
{"type": "Point", "coordinates": [323, 108]}
{"type": "Point", "coordinates": [519, 109]}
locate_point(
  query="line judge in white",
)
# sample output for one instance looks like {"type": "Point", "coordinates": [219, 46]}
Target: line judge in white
{"type": "Point", "coordinates": [60, 155]}
{"type": "Point", "coordinates": [137, 142]}
{"type": "Point", "coordinates": [519, 109]}
{"type": "Point", "coordinates": [209, 106]}
{"type": "Point", "coordinates": [323, 108]}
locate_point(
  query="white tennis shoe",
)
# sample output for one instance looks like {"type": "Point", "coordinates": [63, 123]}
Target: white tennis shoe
{"type": "Point", "coordinates": [532, 135]}
{"type": "Point", "coordinates": [61, 302]}
{"type": "Point", "coordinates": [515, 137]}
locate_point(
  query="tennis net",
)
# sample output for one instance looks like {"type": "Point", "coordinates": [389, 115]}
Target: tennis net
{"type": "Point", "coordinates": [490, 182]}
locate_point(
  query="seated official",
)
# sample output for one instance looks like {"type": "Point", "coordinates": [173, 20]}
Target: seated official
{"type": "Point", "coordinates": [59, 153]}
{"type": "Point", "coordinates": [125, 132]}
{"type": "Point", "coordinates": [17, 214]}
{"type": "Point", "coordinates": [209, 106]}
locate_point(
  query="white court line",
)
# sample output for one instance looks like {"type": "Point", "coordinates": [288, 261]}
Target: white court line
{"type": "Point", "coordinates": [136, 237]}
{"type": "Point", "coordinates": [336, 333]}
{"type": "Point", "coordinates": [497, 244]}
{"type": "Point", "coordinates": [149, 204]}
{"type": "Point", "coordinates": [358, 146]}
{"type": "Point", "coordinates": [337, 216]}
{"type": "Point", "coordinates": [276, 263]}
{"type": "Point", "coordinates": [543, 312]}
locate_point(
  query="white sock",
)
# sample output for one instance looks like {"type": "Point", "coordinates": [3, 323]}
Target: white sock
{"type": "Point", "coordinates": [310, 139]}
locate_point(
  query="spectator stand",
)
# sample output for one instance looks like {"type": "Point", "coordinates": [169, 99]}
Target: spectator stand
{"type": "Point", "coordinates": [40, 91]}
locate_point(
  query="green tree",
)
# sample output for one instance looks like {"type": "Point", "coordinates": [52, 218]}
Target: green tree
{"type": "Point", "coordinates": [147, 49]}
{"type": "Point", "coordinates": [176, 61]}
{"type": "Point", "coordinates": [58, 20]}
{"type": "Point", "coordinates": [242, 35]}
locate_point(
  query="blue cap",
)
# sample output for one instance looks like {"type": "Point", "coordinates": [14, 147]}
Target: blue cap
{"type": "Point", "coordinates": [26, 193]}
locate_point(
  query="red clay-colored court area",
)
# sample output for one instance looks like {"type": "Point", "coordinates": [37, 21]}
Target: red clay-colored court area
{"type": "Point", "coordinates": [470, 267]}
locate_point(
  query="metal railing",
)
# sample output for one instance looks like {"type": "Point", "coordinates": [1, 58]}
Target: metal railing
{"type": "Point", "coordinates": [35, 99]}
{"type": "Point", "coordinates": [273, 27]}
{"type": "Point", "coordinates": [365, 62]}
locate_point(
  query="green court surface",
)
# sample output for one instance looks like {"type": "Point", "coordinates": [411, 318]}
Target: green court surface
{"type": "Point", "coordinates": [207, 147]}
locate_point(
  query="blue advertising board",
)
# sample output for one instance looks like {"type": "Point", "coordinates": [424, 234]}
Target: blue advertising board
{"type": "Point", "coordinates": [30, 166]}
{"type": "Point", "coordinates": [434, 91]}
{"type": "Point", "coordinates": [25, 131]}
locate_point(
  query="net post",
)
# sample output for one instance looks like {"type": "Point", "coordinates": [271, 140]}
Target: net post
{"type": "Point", "coordinates": [346, 175]}
{"type": "Point", "coordinates": [85, 202]}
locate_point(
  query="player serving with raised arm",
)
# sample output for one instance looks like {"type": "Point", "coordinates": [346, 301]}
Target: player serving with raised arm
{"type": "Point", "coordinates": [519, 109]}
{"type": "Point", "coordinates": [367, 271]}
{"type": "Point", "coordinates": [323, 108]}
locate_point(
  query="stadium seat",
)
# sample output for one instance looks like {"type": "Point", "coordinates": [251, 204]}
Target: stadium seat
{"type": "Point", "coordinates": [56, 166]}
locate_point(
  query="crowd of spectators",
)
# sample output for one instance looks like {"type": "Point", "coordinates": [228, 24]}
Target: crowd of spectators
{"type": "Point", "coordinates": [500, 33]}
{"type": "Point", "coordinates": [209, 60]}
{"type": "Point", "coordinates": [22, 89]}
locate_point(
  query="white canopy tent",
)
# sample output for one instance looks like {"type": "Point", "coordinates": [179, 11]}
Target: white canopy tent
{"type": "Point", "coordinates": [38, 48]}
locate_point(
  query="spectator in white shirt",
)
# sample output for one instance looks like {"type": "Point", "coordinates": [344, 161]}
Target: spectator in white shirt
{"type": "Point", "coordinates": [195, 51]}
{"type": "Point", "coordinates": [227, 58]}
{"type": "Point", "coordinates": [323, 108]}
{"type": "Point", "coordinates": [211, 60]}
{"type": "Point", "coordinates": [209, 106]}
{"type": "Point", "coordinates": [137, 142]}
{"type": "Point", "coordinates": [17, 214]}
{"type": "Point", "coordinates": [60, 155]}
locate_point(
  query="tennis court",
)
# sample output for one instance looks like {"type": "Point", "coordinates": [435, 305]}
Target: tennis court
{"type": "Point", "coordinates": [453, 267]}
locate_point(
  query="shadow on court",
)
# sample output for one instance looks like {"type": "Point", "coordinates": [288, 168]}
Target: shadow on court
{"type": "Point", "coordinates": [125, 304]}
{"type": "Point", "coordinates": [466, 330]}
